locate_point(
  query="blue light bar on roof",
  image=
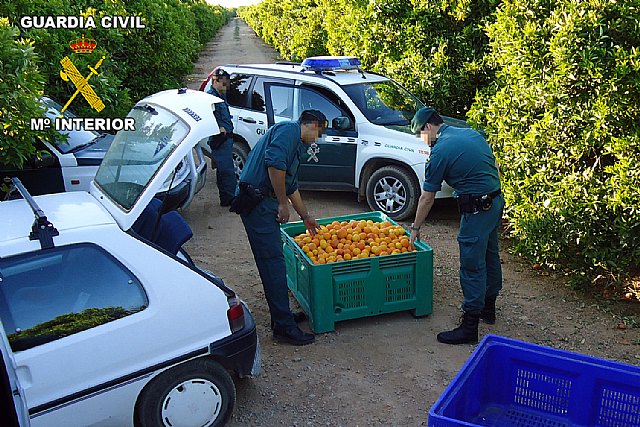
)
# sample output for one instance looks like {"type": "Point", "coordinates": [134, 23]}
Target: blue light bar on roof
{"type": "Point", "coordinates": [331, 63]}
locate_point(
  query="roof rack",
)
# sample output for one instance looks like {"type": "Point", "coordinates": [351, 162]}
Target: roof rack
{"type": "Point", "coordinates": [41, 229]}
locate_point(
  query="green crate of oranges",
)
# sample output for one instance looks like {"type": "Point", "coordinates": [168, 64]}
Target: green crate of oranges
{"type": "Point", "coordinates": [356, 266]}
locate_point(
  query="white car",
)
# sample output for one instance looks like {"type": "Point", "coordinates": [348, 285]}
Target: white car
{"type": "Point", "coordinates": [107, 324]}
{"type": "Point", "coordinates": [71, 164]}
{"type": "Point", "coordinates": [368, 147]}
{"type": "Point", "coordinates": [63, 165]}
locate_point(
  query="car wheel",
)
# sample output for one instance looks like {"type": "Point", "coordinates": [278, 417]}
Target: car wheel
{"type": "Point", "coordinates": [196, 393]}
{"type": "Point", "coordinates": [394, 191]}
{"type": "Point", "coordinates": [240, 154]}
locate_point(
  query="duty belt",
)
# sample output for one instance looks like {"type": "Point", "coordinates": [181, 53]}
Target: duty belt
{"type": "Point", "coordinates": [468, 203]}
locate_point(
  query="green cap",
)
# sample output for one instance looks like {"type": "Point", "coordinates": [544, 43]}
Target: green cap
{"type": "Point", "coordinates": [420, 118]}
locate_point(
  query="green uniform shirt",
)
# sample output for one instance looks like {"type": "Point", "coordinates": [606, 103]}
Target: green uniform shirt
{"type": "Point", "coordinates": [463, 159]}
{"type": "Point", "coordinates": [280, 148]}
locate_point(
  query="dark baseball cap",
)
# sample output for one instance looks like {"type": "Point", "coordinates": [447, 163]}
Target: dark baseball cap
{"type": "Point", "coordinates": [219, 72]}
{"type": "Point", "coordinates": [421, 117]}
{"type": "Point", "coordinates": [314, 116]}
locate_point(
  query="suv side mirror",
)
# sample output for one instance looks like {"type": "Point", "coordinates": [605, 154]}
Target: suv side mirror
{"type": "Point", "coordinates": [341, 123]}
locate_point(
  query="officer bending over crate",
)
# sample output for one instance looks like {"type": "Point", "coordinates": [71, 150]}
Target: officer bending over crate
{"type": "Point", "coordinates": [464, 159]}
{"type": "Point", "coordinates": [267, 184]}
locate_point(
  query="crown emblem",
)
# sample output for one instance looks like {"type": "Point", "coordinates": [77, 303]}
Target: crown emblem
{"type": "Point", "coordinates": [83, 45]}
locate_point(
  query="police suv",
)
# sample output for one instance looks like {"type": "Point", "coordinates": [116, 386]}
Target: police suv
{"type": "Point", "coordinates": [106, 319]}
{"type": "Point", "coordinates": [368, 147]}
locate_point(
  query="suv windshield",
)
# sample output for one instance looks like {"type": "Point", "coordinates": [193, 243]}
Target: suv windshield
{"type": "Point", "coordinates": [77, 138]}
{"type": "Point", "coordinates": [136, 156]}
{"type": "Point", "coordinates": [385, 103]}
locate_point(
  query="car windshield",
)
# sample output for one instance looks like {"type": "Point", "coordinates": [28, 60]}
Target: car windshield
{"type": "Point", "coordinates": [76, 138]}
{"type": "Point", "coordinates": [385, 103]}
{"type": "Point", "coordinates": [136, 156]}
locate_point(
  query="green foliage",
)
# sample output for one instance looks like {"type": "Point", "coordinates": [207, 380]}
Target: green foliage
{"type": "Point", "coordinates": [554, 85]}
{"type": "Point", "coordinates": [21, 86]}
{"type": "Point", "coordinates": [292, 27]}
{"type": "Point", "coordinates": [138, 62]}
{"type": "Point", "coordinates": [72, 323]}
{"type": "Point", "coordinates": [434, 49]}
{"type": "Point", "coordinates": [564, 118]}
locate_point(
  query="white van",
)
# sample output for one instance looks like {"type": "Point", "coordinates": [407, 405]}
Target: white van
{"type": "Point", "coordinates": [368, 147]}
{"type": "Point", "coordinates": [108, 320]}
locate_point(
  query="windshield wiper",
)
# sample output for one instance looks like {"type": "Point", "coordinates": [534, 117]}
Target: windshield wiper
{"type": "Point", "coordinates": [147, 108]}
{"type": "Point", "coordinates": [86, 144]}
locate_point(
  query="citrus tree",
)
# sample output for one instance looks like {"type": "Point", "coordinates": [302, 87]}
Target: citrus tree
{"type": "Point", "coordinates": [563, 115]}
{"type": "Point", "coordinates": [21, 86]}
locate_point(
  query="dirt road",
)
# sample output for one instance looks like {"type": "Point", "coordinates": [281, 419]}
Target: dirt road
{"type": "Point", "coordinates": [386, 370]}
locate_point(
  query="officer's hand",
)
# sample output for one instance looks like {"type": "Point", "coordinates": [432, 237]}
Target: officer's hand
{"type": "Point", "coordinates": [312, 225]}
{"type": "Point", "coordinates": [283, 213]}
{"type": "Point", "coordinates": [415, 235]}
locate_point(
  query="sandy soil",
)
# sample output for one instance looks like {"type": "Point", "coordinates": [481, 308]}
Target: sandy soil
{"type": "Point", "coordinates": [386, 370]}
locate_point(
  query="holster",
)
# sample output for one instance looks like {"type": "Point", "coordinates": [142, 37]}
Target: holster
{"type": "Point", "coordinates": [246, 200]}
{"type": "Point", "coordinates": [468, 203]}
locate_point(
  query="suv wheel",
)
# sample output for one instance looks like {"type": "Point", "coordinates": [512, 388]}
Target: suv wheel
{"type": "Point", "coordinates": [196, 393]}
{"type": "Point", "coordinates": [240, 154]}
{"type": "Point", "coordinates": [394, 191]}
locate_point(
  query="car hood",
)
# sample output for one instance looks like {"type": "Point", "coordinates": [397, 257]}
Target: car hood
{"type": "Point", "coordinates": [168, 125]}
{"type": "Point", "coordinates": [92, 154]}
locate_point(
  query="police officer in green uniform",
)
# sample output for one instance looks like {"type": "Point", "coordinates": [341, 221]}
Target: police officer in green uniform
{"type": "Point", "coordinates": [222, 144]}
{"type": "Point", "coordinates": [272, 168]}
{"type": "Point", "coordinates": [464, 159]}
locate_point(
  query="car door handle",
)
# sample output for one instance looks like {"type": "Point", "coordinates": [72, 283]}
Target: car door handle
{"type": "Point", "coordinates": [247, 119]}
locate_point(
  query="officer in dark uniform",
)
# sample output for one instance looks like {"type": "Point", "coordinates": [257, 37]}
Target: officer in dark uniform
{"type": "Point", "coordinates": [222, 144]}
{"type": "Point", "coordinates": [272, 168]}
{"type": "Point", "coordinates": [464, 159]}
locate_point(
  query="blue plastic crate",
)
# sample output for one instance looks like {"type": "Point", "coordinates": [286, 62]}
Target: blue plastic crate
{"type": "Point", "coordinates": [506, 382]}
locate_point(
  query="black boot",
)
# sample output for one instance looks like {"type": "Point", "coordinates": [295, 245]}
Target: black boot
{"type": "Point", "coordinates": [298, 317]}
{"type": "Point", "coordinates": [466, 333]}
{"type": "Point", "coordinates": [488, 313]}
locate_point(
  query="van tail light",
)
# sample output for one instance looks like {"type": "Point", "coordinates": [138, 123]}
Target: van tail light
{"type": "Point", "coordinates": [235, 314]}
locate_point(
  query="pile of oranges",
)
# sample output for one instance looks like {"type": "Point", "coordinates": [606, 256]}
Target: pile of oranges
{"type": "Point", "coordinates": [355, 239]}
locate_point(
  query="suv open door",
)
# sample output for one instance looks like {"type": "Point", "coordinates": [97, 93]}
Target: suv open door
{"type": "Point", "coordinates": [331, 165]}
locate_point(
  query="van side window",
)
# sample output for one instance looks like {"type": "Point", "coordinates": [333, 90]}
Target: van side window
{"type": "Point", "coordinates": [48, 295]}
{"type": "Point", "coordinates": [238, 90]}
{"type": "Point", "coordinates": [281, 104]}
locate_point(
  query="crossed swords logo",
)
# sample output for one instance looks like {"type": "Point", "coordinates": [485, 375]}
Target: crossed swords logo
{"type": "Point", "coordinates": [312, 151]}
{"type": "Point", "coordinates": [81, 83]}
